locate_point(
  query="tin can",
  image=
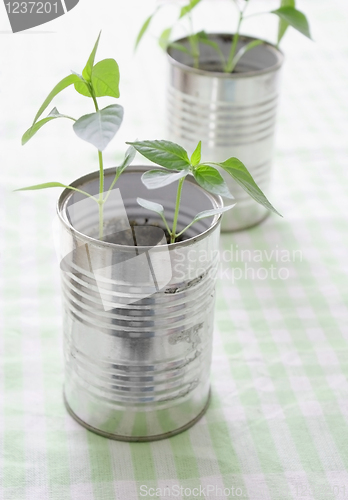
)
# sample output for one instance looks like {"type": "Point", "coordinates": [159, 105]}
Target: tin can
{"type": "Point", "coordinates": [233, 114]}
{"type": "Point", "coordinates": [138, 320]}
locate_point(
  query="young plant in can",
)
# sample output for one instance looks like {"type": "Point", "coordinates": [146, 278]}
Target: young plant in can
{"type": "Point", "coordinates": [99, 128]}
{"type": "Point", "coordinates": [287, 14]}
{"type": "Point", "coordinates": [177, 166]}
{"type": "Point", "coordinates": [99, 79]}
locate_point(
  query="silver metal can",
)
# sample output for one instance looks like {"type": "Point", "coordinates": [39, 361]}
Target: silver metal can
{"type": "Point", "coordinates": [233, 114]}
{"type": "Point", "coordinates": [137, 352]}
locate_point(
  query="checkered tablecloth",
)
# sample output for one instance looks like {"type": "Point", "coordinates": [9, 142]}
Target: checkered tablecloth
{"type": "Point", "coordinates": [277, 426]}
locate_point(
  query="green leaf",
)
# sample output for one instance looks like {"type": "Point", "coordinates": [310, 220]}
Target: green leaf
{"type": "Point", "coordinates": [143, 30]}
{"type": "Point", "coordinates": [43, 186]}
{"type": "Point", "coordinates": [164, 38]}
{"type": "Point", "coordinates": [53, 185]}
{"type": "Point", "coordinates": [243, 51]}
{"type": "Point", "coordinates": [128, 158]}
{"type": "Point", "coordinates": [63, 84]}
{"type": "Point", "coordinates": [82, 87]}
{"type": "Point", "coordinates": [203, 37]}
{"type": "Point", "coordinates": [211, 180]}
{"type": "Point", "coordinates": [214, 211]}
{"type": "Point", "coordinates": [154, 179]}
{"type": "Point", "coordinates": [154, 207]}
{"type": "Point", "coordinates": [242, 176]}
{"type": "Point", "coordinates": [187, 8]}
{"type": "Point", "coordinates": [196, 155]}
{"type": "Point", "coordinates": [207, 213]}
{"type": "Point", "coordinates": [164, 153]}
{"type": "Point", "coordinates": [100, 128]}
{"type": "Point", "coordinates": [34, 128]}
{"type": "Point", "coordinates": [294, 18]}
{"type": "Point", "coordinates": [151, 205]}
{"type": "Point", "coordinates": [178, 46]}
{"type": "Point", "coordinates": [106, 78]}
{"type": "Point", "coordinates": [87, 71]}
{"type": "Point", "coordinates": [283, 25]}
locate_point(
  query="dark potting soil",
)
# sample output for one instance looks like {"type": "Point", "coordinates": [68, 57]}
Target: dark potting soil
{"type": "Point", "coordinates": [145, 234]}
{"type": "Point", "coordinates": [216, 67]}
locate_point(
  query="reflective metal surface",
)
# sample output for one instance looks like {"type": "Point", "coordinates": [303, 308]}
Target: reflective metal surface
{"type": "Point", "coordinates": [233, 114]}
{"type": "Point", "coordinates": [137, 369]}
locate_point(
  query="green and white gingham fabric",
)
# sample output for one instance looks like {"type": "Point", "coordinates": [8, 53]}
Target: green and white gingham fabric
{"type": "Point", "coordinates": [277, 426]}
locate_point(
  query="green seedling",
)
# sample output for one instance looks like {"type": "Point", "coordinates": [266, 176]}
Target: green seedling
{"type": "Point", "coordinates": [287, 14]}
{"type": "Point", "coordinates": [98, 128]}
{"type": "Point", "coordinates": [177, 166]}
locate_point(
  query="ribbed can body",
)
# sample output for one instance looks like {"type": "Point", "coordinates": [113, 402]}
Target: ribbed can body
{"type": "Point", "coordinates": [232, 114]}
{"type": "Point", "coordinates": [137, 361]}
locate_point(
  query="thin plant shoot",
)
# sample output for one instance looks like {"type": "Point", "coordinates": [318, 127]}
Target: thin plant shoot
{"type": "Point", "coordinates": [98, 128]}
{"type": "Point", "coordinates": [177, 166]}
{"type": "Point", "coordinates": [287, 13]}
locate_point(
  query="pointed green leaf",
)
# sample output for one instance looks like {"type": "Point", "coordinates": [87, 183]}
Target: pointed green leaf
{"type": "Point", "coordinates": [87, 71]}
{"type": "Point", "coordinates": [106, 78]}
{"type": "Point", "coordinates": [211, 180]}
{"type": "Point", "coordinates": [164, 153]}
{"type": "Point", "coordinates": [244, 50]}
{"type": "Point", "coordinates": [154, 179]}
{"type": "Point", "coordinates": [207, 213]}
{"type": "Point", "coordinates": [82, 86]}
{"type": "Point", "coordinates": [283, 25]}
{"type": "Point", "coordinates": [151, 205]}
{"type": "Point", "coordinates": [210, 213]}
{"type": "Point", "coordinates": [128, 158]}
{"type": "Point", "coordinates": [43, 186]}
{"type": "Point", "coordinates": [178, 46]}
{"type": "Point", "coordinates": [164, 38]}
{"type": "Point", "coordinates": [143, 30]}
{"type": "Point", "coordinates": [63, 84]}
{"type": "Point", "coordinates": [294, 18]}
{"type": "Point", "coordinates": [53, 185]}
{"type": "Point", "coordinates": [214, 211]}
{"type": "Point", "coordinates": [242, 176]}
{"type": "Point", "coordinates": [187, 8]}
{"type": "Point", "coordinates": [196, 155]}
{"type": "Point", "coordinates": [203, 37]}
{"type": "Point", "coordinates": [32, 130]}
{"type": "Point", "coordinates": [100, 128]}
{"type": "Point", "coordinates": [154, 207]}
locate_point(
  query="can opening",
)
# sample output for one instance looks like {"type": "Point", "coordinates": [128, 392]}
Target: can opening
{"type": "Point", "coordinates": [263, 58]}
{"type": "Point", "coordinates": [123, 216]}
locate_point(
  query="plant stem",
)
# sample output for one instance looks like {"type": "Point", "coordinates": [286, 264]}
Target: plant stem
{"type": "Point", "coordinates": [176, 213]}
{"type": "Point", "coordinates": [194, 45]}
{"type": "Point", "coordinates": [101, 177]}
{"type": "Point", "coordinates": [195, 54]}
{"type": "Point", "coordinates": [166, 225]}
{"type": "Point", "coordinates": [94, 99]}
{"type": "Point", "coordinates": [101, 220]}
{"type": "Point", "coordinates": [111, 186]}
{"type": "Point", "coordinates": [230, 66]}
{"type": "Point", "coordinates": [101, 190]}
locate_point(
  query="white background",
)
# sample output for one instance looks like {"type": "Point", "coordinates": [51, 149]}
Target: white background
{"type": "Point", "coordinates": [32, 62]}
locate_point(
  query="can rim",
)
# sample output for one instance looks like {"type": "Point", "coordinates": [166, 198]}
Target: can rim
{"type": "Point", "coordinates": [216, 201]}
{"type": "Point", "coordinates": [232, 76]}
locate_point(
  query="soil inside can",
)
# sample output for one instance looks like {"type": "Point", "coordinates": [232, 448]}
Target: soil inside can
{"type": "Point", "coordinates": [215, 66]}
{"type": "Point", "coordinates": [147, 233]}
